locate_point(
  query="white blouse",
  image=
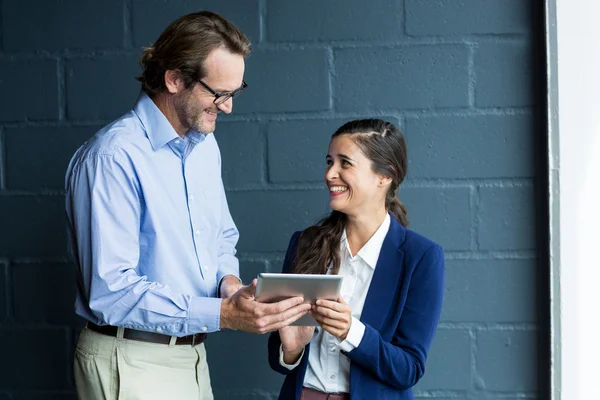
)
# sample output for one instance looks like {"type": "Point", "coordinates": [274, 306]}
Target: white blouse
{"type": "Point", "coordinates": [328, 369]}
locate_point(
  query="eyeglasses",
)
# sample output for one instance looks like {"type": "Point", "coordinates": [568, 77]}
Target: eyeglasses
{"type": "Point", "coordinates": [222, 97]}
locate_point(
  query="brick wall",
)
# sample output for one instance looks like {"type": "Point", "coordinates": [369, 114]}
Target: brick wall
{"type": "Point", "coordinates": [462, 80]}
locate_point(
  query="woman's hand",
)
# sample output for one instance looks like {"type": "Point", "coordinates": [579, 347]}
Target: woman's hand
{"type": "Point", "coordinates": [293, 341]}
{"type": "Point", "coordinates": [334, 317]}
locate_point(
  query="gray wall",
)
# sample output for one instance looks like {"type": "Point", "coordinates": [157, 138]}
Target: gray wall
{"type": "Point", "coordinates": [459, 77]}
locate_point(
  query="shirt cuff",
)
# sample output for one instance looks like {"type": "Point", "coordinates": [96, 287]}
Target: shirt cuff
{"type": "Point", "coordinates": [288, 366]}
{"type": "Point", "coordinates": [221, 281]}
{"type": "Point", "coordinates": [204, 315]}
{"type": "Point", "coordinates": [354, 337]}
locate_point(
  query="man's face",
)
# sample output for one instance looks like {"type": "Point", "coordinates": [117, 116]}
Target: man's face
{"type": "Point", "coordinates": [195, 106]}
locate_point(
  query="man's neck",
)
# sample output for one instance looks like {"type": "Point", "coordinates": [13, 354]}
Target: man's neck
{"type": "Point", "coordinates": [164, 102]}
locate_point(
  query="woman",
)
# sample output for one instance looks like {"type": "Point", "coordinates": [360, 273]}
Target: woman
{"type": "Point", "coordinates": [372, 342]}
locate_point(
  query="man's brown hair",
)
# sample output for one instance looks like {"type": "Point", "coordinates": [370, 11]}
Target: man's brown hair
{"type": "Point", "coordinates": [184, 46]}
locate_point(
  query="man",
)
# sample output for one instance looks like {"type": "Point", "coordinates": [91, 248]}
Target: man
{"type": "Point", "coordinates": [150, 229]}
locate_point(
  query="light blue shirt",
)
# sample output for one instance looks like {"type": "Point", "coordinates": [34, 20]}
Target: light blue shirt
{"type": "Point", "coordinates": [149, 226]}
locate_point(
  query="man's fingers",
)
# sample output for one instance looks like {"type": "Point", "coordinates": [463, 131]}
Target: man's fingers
{"type": "Point", "coordinates": [247, 291]}
{"type": "Point", "coordinates": [281, 306]}
{"type": "Point", "coordinates": [277, 321]}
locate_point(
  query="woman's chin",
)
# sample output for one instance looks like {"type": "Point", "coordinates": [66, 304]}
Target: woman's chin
{"type": "Point", "coordinates": [336, 205]}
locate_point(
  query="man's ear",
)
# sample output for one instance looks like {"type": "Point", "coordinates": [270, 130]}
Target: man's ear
{"type": "Point", "coordinates": [173, 81]}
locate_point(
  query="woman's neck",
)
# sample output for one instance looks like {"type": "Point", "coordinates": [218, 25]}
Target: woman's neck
{"type": "Point", "coordinates": [360, 228]}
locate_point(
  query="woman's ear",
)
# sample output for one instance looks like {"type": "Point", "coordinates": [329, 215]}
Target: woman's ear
{"type": "Point", "coordinates": [173, 81]}
{"type": "Point", "coordinates": [384, 180]}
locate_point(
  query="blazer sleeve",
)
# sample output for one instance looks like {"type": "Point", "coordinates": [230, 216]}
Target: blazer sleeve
{"type": "Point", "coordinates": [401, 363]}
{"type": "Point", "coordinates": [274, 340]}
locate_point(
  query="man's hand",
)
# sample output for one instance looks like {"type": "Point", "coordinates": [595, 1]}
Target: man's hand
{"type": "Point", "coordinates": [229, 285]}
{"type": "Point", "coordinates": [242, 312]}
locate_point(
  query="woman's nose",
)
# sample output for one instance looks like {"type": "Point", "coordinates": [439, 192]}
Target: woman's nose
{"type": "Point", "coordinates": [331, 173]}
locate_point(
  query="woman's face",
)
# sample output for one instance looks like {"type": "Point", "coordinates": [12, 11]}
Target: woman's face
{"type": "Point", "coordinates": [354, 188]}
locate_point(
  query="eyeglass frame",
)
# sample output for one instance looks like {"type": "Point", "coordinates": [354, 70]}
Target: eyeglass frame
{"type": "Point", "coordinates": [223, 95]}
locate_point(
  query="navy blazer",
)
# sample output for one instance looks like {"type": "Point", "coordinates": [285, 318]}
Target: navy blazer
{"type": "Point", "coordinates": [401, 314]}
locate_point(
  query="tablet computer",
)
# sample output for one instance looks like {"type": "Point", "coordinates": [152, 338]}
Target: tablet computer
{"type": "Point", "coordinates": [271, 288]}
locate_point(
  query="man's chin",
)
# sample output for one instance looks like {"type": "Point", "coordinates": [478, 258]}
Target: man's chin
{"type": "Point", "coordinates": [206, 128]}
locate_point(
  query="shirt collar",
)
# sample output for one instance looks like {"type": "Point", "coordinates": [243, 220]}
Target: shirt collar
{"type": "Point", "coordinates": [370, 251]}
{"type": "Point", "coordinates": [158, 128]}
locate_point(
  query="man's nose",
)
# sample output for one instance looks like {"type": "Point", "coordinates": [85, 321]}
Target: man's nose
{"type": "Point", "coordinates": [226, 106]}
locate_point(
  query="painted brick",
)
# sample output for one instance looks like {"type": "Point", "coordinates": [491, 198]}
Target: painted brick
{"type": "Point", "coordinates": [285, 80]}
{"type": "Point", "coordinates": [101, 88]}
{"type": "Point", "coordinates": [441, 214]}
{"type": "Point", "coordinates": [37, 226]}
{"type": "Point", "coordinates": [151, 17]}
{"type": "Point", "coordinates": [449, 362]}
{"type": "Point", "coordinates": [502, 72]}
{"type": "Point", "coordinates": [60, 24]}
{"type": "Point", "coordinates": [28, 76]}
{"type": "Point", "coordinates": [451, 17]}
{"type": "Point", "coordinates": [507, 360]}
{"type": "Point", "coordinates": [507, 217]}
{"type": "Point", "coordinates": [250, 270]}
{"type": "Point", "coordinates": [224, 351]}
{"type": "Point", "coordinates": [297, 149]}
{"type": "Point", "coordinates": [46, 396]}
{"type": "Point", "coordinates": [37, 157]}
{"type": "Point", "coordinates": [242, 152]}
{"type": "Point", "coordinates": [335, 20]}
{"type": "Point", "coordinates": [45, 358]}
{"type": "Point", "coordinates": [286, 212]}
{"type": "Point", "coordinates": [3, 293]}
{"type": "Point", "coordinates": [44, 293]}
{"type": "Point", "coordinates": [502, 291]}
{"type": "Point", "coordinates": [409, 77]}
{"type": "Point", "coordinates": [471, 146]}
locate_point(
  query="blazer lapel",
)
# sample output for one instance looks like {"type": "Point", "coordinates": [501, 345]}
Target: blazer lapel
{"type": "Point", "coordinates": [385, 278]}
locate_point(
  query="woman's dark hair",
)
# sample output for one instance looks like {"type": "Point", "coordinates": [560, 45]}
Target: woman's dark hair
{"type": "Point", "coordinates": [184, 46]}
{"type": "Point", "coordinates": [384, 145]}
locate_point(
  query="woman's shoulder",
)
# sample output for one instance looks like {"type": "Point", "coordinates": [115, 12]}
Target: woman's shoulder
{"type": "Point", "coordinates": [418, 244]}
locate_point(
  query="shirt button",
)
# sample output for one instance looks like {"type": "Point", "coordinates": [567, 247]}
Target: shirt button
{"type": "Point", "coordinates": [204, 329]}
{"type": "Point", "coordinates": [332, 376]}
{"type": "Point", "coordinates": [177, 141]}
{"type": "Point", "coordinates": [159, 329]}
{"type": "Point", "coordinates": [351, 272]}
{"type": "Point", "coordinates": [191, 197]}
{"type": "Point", "coordinates": [197, 232]}
{"type": "Point", "coordinates": [205, 267]}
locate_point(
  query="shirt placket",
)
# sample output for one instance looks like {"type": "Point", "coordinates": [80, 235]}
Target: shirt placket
{"type": "Point", "coordinates": [194, 213]}
{"type": "Point", "coordinates": [333, 363]}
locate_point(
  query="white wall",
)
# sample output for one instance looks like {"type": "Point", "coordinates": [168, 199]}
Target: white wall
{"type": "Point", "coordinates": [578, 172]}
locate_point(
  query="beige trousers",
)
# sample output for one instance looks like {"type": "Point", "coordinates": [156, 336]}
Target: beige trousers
{"type": "Point", "coordinates": [113, 368]}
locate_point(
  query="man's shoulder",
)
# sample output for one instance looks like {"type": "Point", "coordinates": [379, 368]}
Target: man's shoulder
{"type": "Point", "coordinates": [117, 139]}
